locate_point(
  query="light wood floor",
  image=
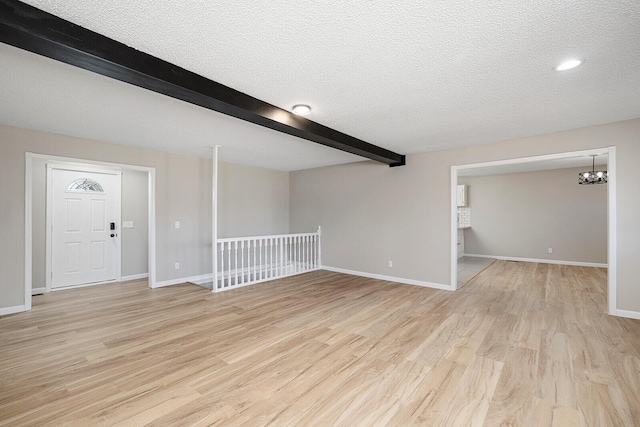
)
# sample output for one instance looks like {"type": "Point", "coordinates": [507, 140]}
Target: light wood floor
{"type": "Point", "coordinates": [521, 345]}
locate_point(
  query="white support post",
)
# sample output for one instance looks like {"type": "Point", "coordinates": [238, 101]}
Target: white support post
{"type": "Point", "coordinates": [214, 219]}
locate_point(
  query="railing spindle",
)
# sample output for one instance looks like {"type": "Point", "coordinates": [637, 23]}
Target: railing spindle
{"type": "Point", "coordinates": [281, 253]}
{"type": "Point", "coordinates": [221, 266]}
{"type": "Point", "coordinates": [242, 261]}
{"type": "Point", "coordinates": [278, 257]}
{"type": "Point", "coordinates": [260, 261]}
{"type": "Point", "coordinates": [270, 263]}
{"type": "Point", "coordinates": [253, 267]}
{"type": "Point", "coordinates": [229, 265]}
{"type": "Point", "coordinates": [235, 263]}
{"type": "Point", "coordinates": [297, 253]}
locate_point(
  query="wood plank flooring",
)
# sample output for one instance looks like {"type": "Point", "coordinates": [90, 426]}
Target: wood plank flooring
{"type": "Point", "coordinates": [521, 344]}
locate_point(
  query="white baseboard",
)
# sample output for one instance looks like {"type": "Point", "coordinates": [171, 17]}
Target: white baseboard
{"type": "Point", "coordinates": [543, 261]}
{"type": "Point", "coordinates": [389, 278]}
{"type": "Point", "coordinates": [11, 310]}
{"type": "Point", "coordinates": [628, 314]}
{"type": "Point", "coordinates": [206, 278]}
{"type": "Point", "coordinates": [38, 291]}
{"type": "Point", "coordinates": [203, 278]}
{"type": "Point", "coordinates": [134, 277]}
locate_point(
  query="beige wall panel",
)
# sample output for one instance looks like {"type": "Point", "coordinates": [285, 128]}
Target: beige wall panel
{"type": "Point", "coordinates": [135, 207]}
{"type": "Point", "coordinates": [371, 213]}
{"type": "Point", "coordinates": [523, 214]}
{"type": "Point", "coordinates": [252, 201]}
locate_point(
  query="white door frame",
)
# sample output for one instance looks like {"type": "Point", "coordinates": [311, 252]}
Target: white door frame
{"type": "Point", "coordinates": [51, 165]}
{"type": "Point", "coordinates": [612, 283]}
{"type": "Point", "coordinates": [28, 245]}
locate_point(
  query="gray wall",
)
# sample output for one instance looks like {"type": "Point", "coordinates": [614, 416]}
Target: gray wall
{"type": "Point", "coordinates": [135, 207]}
{"type": "Point", "coordinates": [523, 214]}
{"type": "Point", "coordinates": [252, 201]}
{"type": "Point", "coordinates": [371, 213]}
{"type": "Point", "coordinates": [38, 222]}
{"type": "Point", "coordinates": [183, 193]}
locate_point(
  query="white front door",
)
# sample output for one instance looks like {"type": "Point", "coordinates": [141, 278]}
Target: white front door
{"type": "Point", "coordinates": [85, 226]}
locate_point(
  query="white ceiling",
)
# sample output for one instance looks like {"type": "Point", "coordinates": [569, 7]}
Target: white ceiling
{"type": "Point", "coordinates": [409, 76]}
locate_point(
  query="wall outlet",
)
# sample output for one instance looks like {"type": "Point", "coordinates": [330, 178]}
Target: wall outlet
{"type": "Point", "coordinates": [390, 263]}
{"type": "Point", "coordinates": [177, 224]}
{"type": "Point", "coordinates": [177, 266]}
{"type": "Point", "coordinates": [550, 250]}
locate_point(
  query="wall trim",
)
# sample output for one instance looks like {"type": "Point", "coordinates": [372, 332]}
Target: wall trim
{"type": "Point", "coordinates": [612, 230]}
{"type": "Point", "coordinates": [628, 314]}
{"type": "Point", "coordinates": [540, 260]}
{"type": "Point", "coordinates": [134, 277]}
{"type": "Point", "coordinates": [389, 278]}
{"type": "Point", "coordinates": [38, 291]}
{"type": "Point", "coordinates": [203, 278]}
{"type": "Point", "coordinates": [11, 310]}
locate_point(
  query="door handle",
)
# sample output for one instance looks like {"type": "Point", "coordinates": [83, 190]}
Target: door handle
{"type": "Point", "coordinates": [113, 235]}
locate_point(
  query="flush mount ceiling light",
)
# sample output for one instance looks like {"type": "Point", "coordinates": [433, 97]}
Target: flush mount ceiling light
{"type": "Point", "coordinates": [301, 109]}
{"type": "Point", "coordinates": [568, 64]}
{"type": "Point", "coordinates": [593, 176]}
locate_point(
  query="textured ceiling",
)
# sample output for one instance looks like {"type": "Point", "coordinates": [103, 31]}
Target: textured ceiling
{"type": "Point", "coordinates": [410, 76]}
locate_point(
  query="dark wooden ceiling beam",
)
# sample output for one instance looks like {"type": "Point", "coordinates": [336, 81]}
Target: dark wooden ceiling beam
{"type": "Point", "coordinates": [32, 29]}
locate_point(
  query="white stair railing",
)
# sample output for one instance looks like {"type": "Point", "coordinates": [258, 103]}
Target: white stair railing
{"type": "Point", "coordinates": [244, 261]}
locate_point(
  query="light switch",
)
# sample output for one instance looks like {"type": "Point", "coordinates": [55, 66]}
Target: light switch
{"type": "Point", "coordinates": [177, 224]}
{"type": "Point", "coordinates": [127, 224]}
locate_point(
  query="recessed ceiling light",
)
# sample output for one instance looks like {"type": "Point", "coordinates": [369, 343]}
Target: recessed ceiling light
{"type": "Point", "coordinates": [301, 109]}
{"type": "Point", "coordinates": [568, 64]}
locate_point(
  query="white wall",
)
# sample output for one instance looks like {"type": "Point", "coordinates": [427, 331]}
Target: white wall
{"type": "Point", "coordinates": [523, 214]}
{"type": "Point", "coordinates": [371, 214]}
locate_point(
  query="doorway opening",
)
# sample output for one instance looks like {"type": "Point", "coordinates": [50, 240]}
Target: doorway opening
{"type": "Point", "coordinates": [540, 163]}
{"type": "Point", "coordinates": [85, 259]}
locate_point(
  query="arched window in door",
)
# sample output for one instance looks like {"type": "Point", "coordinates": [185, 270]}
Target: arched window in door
{"type": "Point", "coordinates": [85, 185]}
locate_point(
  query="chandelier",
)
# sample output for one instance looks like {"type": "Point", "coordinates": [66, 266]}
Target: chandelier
{"type": "Point", "coordinates": [593, 176]}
